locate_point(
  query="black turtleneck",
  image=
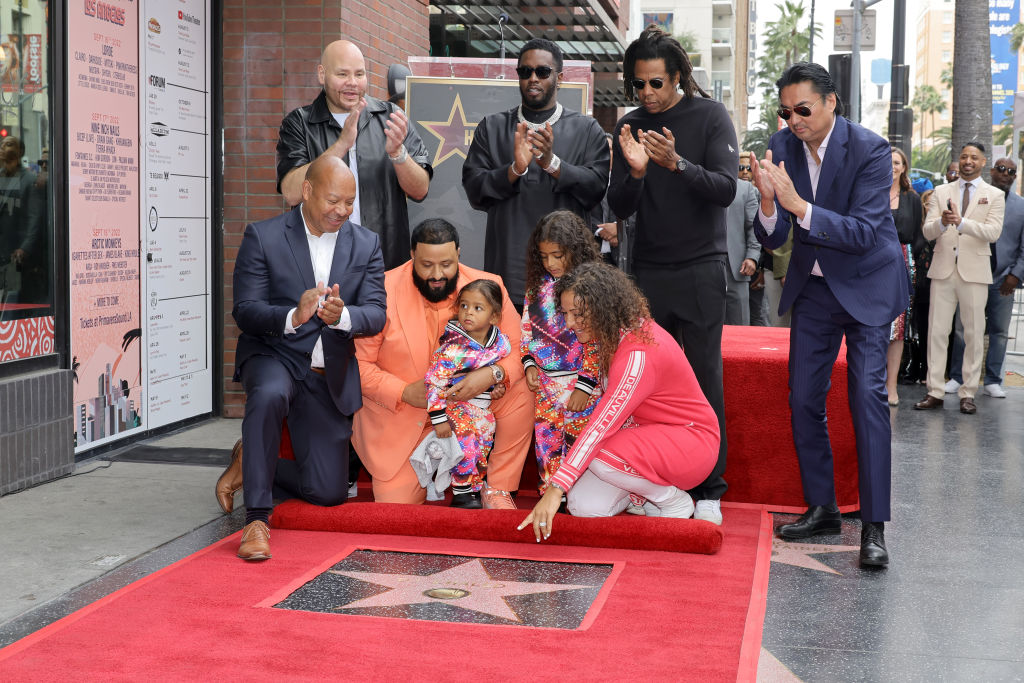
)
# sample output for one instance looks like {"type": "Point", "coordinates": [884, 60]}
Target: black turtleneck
{"type": "Point", "coordinates": [534, 116]}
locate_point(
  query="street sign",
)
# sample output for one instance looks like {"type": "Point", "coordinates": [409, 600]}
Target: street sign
{"type": "Point", "coordinates": [843, 33]}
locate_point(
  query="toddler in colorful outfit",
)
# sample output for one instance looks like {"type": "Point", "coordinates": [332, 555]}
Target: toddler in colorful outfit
{"type": "Point", "coordinates": [469, 342]}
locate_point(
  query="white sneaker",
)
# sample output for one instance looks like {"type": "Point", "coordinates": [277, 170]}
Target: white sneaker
{"type": "Point", "coordinates": [353, 490]}
{"type": "Point", "coordinates": [678, 504]}
{"type": "Point", "coordinates": [995, 391]}
{"type": "Point", "coordinates": [709, 511]}
{"type": "Point", "coordinates": [951, 386]}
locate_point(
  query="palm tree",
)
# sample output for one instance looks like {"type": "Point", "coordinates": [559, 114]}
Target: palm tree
{"type": "Point", "coordinates": [972, 75]}
{"type": "Point", "coordinates": [1003, 135]}
{"type": "Point", "coordinates": [947, 77]}
{"type": "Point", "coordinates": [927, 100]}
{"type": "Point", "coordinates": [1016, 37]}
{"type": "Point", "coordinates": [786, 41]}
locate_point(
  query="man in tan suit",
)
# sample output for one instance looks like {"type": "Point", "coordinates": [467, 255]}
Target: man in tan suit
{"type": "Point", "coordinates": [964, 218]}
{"type": "Point", "coordinates": [392, 365]}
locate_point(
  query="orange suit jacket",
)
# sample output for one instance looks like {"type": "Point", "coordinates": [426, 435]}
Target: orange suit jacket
{"type": "Point", "coordinates": [385, 430]}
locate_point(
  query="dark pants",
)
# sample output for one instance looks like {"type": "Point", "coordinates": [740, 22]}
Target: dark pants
{"type": "Point", "coordinates": [689, 302]}
{"type": "Point", "coordinates": [319, 433]}
{"type": "Point", "coordinates": [818, 325]}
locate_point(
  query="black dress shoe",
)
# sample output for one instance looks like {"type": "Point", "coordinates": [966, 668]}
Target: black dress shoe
{"type": "Point", "coordinates": [967, 406]}
{"type": "Point", "coordinates": [872, 545]}
{"type": "Point", "coordinates": [819, 519]}
{"type": "Point", "coordinates": [466, 501]}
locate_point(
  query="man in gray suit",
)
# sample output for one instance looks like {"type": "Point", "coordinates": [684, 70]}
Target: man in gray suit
{"type": "Point", "coordinates": [1007, 274]}
{"type": "Point", "coordinates": [744, 250]}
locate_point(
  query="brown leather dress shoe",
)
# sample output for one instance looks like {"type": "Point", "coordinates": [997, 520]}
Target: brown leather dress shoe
{"type": "Point", "coordinates": [230, 481]}
{"type": "Point", "coordinates": [255, 542]}
{"type": "Point", "coordinates": [967, 406]}
{"type": "Point", "coordinates": [929, 402]}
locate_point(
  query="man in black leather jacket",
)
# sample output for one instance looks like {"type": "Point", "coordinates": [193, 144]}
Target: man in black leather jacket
{"type": "Point", "coordinates": [390, 160]}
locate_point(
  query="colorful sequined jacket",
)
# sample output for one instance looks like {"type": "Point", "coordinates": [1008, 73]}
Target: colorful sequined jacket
{"type": "Point", "coordinates": [549, 345]}
{"type": "Point", "coordinates": [457, 355]}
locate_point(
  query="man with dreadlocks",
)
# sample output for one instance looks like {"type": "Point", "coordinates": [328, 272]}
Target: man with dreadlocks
{"type": "Point", "coordinates": [675, 164]}
{"type": "Point", "coordinates": [533, 159]}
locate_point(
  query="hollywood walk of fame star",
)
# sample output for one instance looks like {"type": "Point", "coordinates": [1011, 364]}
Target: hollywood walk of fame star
{"type": "Point", "coordinates": [466, 585]}
{"type": "Point", "coordinates": [799, 554]}
{"type": "Point", "coordinates": [451, 134]}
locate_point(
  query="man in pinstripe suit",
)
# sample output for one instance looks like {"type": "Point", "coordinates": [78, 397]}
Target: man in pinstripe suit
{"type": "Point", "coordinates": [827, 181]}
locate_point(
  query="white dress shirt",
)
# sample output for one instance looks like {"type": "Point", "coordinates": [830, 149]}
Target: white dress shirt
{"type": "Point", "coordinates": [321, 253]}
{"type": "Point", "coordinates": [814, 171]}
{"type": "Point", "coordinates": [961, 184]}
{"type": "Point", "coordinates": [352, 166]}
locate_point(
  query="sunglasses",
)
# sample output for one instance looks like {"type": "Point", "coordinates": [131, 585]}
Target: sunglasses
{"type": "Point", "coordinates": [527, 71]}
{"type": "Point", "coordinates": [1008, 170]}
{"type": "Point", "coordinates": [639, 83]}
{"type": "Point", "coordinates": [744, 168]}
{"type": "Point", "coordinates": [801, 110]}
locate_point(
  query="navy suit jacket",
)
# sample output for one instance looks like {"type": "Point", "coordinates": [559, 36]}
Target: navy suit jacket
{"type": "Point", "coordinates": [272, 270]}
{"type": "Point", "coordinates": [852, 233]}
{"type": "Point", "coordinates": [1009, 248]}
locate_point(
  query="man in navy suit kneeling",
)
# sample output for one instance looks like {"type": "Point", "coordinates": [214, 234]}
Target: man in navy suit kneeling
{"type": "Point", "coordinates": [306, 283]}
{"type": "Point", "coordinates": [827, 181]}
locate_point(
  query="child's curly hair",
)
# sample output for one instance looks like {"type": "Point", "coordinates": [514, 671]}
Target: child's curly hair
{"type": "Point", "coordinates": [610, 303]}
{"type": "Point", "coordinates": [568, 231]}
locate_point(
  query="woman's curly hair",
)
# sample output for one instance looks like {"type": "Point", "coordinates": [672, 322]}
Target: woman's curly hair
{"type": "Point", "coordinates": [568, 231]}
{"type": "Point", "coordinates": [610, 303]}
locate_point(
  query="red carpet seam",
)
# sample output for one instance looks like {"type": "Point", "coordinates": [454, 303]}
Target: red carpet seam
{"type": "Point", "coordinates": [750, 650]}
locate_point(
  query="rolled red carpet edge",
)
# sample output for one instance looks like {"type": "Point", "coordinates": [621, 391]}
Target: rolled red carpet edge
{"type": "Point", "coordinates": [628, 532]}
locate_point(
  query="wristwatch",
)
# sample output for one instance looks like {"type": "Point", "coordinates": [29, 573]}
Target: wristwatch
{"type": "Point", "coordinates": [498, 372]}
{"type": "Point", "coordinates": [680, 165]}
{"type": "Point", "coordinates": [400, 158]}
{"type": "Point", "coordinates": [555, 164]}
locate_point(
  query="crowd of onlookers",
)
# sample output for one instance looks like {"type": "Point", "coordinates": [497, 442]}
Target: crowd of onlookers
{"type": "Point", "coordinates": [986, 307]}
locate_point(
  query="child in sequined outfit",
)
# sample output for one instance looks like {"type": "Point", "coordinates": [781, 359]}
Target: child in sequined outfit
{"type": "Point", "coordinates": [561, 371]}
{"type": "Point", "coordinates": [470, 342]}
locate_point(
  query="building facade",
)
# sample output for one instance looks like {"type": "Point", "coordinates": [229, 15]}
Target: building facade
{"type": "Point", "coordinates": [137, 139]}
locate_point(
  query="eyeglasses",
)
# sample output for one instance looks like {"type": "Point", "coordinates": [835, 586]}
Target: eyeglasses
{"type": "Point", "coordinates": [801, 110]}
{"type": "Point", "coordinates": [1008, 170]}
{"type": "Point", "coordinates": [744, 167]}
{"type": "Point", "coordinates": [639, 83]}
{"type": "Point", "coordinates": [952, 174]}
{"type": "Point", "coordinates": [527, 71]}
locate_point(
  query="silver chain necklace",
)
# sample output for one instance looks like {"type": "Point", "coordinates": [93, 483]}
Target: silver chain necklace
{"type": "Point", "coordinates": [537, 126]}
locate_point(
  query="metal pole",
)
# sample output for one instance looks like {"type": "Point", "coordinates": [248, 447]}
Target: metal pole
{"type": "Point", "coordinates": [810, 56]}
{"type": "Point", "coordinates": [855, 64]}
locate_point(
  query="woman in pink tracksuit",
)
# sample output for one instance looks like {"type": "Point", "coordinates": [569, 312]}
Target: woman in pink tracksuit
{"type": "Point", "coordinates": [653, 434]}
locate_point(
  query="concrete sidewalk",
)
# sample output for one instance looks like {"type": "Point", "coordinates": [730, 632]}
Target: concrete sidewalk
{"type": "Point", "coordinates": [66, 533]}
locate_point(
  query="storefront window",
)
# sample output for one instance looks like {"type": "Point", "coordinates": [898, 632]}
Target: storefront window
{"type": "Point", "coordinates": [26, 222]}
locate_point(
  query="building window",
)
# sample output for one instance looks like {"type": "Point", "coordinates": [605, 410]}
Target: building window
{"type": "Point", "coordinates": [947, 56]}
{"type": "Point", "coordinates": [947, 36]}
{"type": "Point", "coordinates": [947, 17]}
{"type": "Point", "coordinates": [26, 224]}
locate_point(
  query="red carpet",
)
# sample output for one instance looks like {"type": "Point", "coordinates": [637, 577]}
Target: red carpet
{"type": "Point", "coordinates": [628, 532]}
{"type": "Point", "coordinates": [762, 466]}
{"type": "Point", "coordinates": [659, 616]}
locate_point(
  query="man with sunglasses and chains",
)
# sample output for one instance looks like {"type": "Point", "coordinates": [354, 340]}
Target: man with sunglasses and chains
{"type": "Point", "coordinates": [1007, 274]}
{"type": "Point", "coordinates": [531, 160]}
{"type": "Point", "coordinates": [675, 163]}
{"type": "Point", "coordinates": [826, 181]}
{"type": "Point", "coordinates": [964, 218]}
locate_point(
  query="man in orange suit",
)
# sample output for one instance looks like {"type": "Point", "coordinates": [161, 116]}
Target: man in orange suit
{"type": "Point", "coordinates": [964, 218]}
{"type": "Point", "coordinates": [392, 365]}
